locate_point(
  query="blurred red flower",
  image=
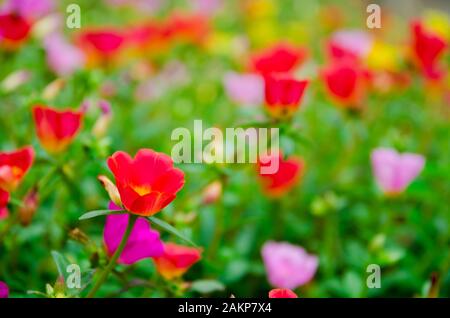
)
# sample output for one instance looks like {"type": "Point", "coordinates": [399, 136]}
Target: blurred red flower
{"type": "Point", "coordinates": [346, 84]}
{"type": "Point", "coordinates": [101, 46]}
{"type": "Point", "coordinates": [14, 30]}
{"type": "Point", "coordinates": [176, 260]}
{"type": "Point", "coordinates": [13, 167]}
{"type": "Point", "coordinates": [56, 129]}
{"type": "Point", "coordinates": [192, 28]}
{"type": "Point", "coordinates": [282, 293]}
{"type": "Point", "coordinates": [283, 96]}
{"type": "Point", "coordinates": [282, 58]}
{"type": "Point", "coordinates": [281, 181]}
{"type": "Point", "coordinates": [147, 183]}
{"type": "Point", "coordinates": [427, 49]}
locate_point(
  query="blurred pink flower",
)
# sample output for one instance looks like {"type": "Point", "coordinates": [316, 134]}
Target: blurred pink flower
{"type": "Point", "coordinates": [4, 290]}
{"type": "Point", "coordinates": [208, 7]}
{"type": "Point", "coordinates": [63, 58]}
{"type": "Point", "coordinates": [288, 266]}
{"type": "Point", "coordinates": [350, 43]}
{"type": "Point", "coordinates": [143, 242]}
{"type": "Point", "coordinates": [244, 89]}
{"type": "Point", "coordinates": [394, 171]}
{"type": "Point", "coordinates": [31, 9]}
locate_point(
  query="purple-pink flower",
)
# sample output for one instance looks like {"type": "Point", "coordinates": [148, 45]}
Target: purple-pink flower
{"type": "Point", "coordinates": [63, 58]}
{"type": "Point", "coordinates": [4, 290]}
{"type": "Point", "coordinates": [393, 171]}
{"type": "Point", "coordinates": [208, 7]}
{"type": "Point", "coordinates": [31, 9]}
{"type": "Point", "coordinates": [350, 43]}
{"type": "Point", "coordinates": [244, 89]}
{"type": "Point", "coordinates": [143, 242]}
{"type": "Point", "coordinates": [287, 265]}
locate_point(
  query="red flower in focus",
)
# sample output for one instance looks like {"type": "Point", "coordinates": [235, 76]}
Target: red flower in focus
{"type": "Point", "coordinates": [101, 46]}
{"type": "Point", "coordinates": [427, 49]}
{"type": "Point", "coordinates": [281, 58]}
{"type": "Point", "coordinates": [345, 83]}
{"type": "Point", "coordinates": [283, 175]}
{"type": "Point", "coordinates": [282, 293]}
{"type": "Point", "coordinates": [147, 183]}
{"type": "Point", "coordinates": [4, 199]}
{"type": "Point", "coordinates": [14, 30]}
{"type": "Point", "coordinates": [56, 129]}
{"type": "Point", "coordinates": [283, 96]}
{"type": "Point", "coordinates": [176, 260]}
{"type": "Point", "coordinates": [13, 167]}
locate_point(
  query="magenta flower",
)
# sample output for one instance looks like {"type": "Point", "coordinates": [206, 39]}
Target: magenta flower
{"type": "Point", "coordinates": [31, 9]}
{"type": "Point", "coordinates": [4, 290]}
{"type": "Point", "coordinates": [63, 58]}
{"type": "Point", "coordinates": [288, 266]}
{"type": "Point", "coordinates": [394, 171]}
{"type": "Point", "coordinates": [244, 89]}
{"type": "Point", "coordinates": [143, 242]}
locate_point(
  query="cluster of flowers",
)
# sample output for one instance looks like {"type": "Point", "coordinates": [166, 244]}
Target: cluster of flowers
{"type": "Point", "coordinates": [147, 183]}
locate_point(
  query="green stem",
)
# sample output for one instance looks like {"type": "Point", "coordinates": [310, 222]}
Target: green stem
{"type": "Point", "coordinates": [113, 260]}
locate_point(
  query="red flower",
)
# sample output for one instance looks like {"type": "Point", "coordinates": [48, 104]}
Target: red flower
{"type": "Point", "coordinates": [427, 49]}
{"type": "Point", "coordinates": [345, 84]}
{"type": "Point", "coordinates": [101, 45]}
{"type": "Point", "coordinates": [4, 199]}
{"type": "Point", "coordinates": [147, 183]}
{"type": "Point", "coordinates": [283, 96]}
{"type": "Point", "coordinates": [147, 38]}
{"type": "Point", "coordinates": [279, 181]}
{"type": "Point", "coordinates": [281, 58]}
{"type": "Point", "coordinates": [56, 129]}
{"type": "Point", "coordinates": [282, 293]}
{"type": "Point", "coordinates": [13, 167]}
{"type": "Point", "coordinates": [14, 30]}
{"type": "Point", "coordinates": [189, 28]}
{"type": "Point", "coordinates": [176, 260]}
{"type": "Point", "coordinates": [338, 53]}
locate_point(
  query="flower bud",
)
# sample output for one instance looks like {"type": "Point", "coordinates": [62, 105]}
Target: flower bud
{"type": "Point", "coordinates": [53, 89]}
{"type": "Point", "coordinates": [111, 189]}
{"type": "Point", "coordinates": [29, 207]}
{"type": "Point", "coordinates": [212, 192]}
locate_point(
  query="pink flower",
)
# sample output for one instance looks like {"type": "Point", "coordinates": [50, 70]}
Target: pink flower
{"type": "Point", "coordinates": [244, 89]}
{"type": "Point", "coordinates": [288, 266]}
{"type": "Point", "coordinates": [394, 171]}
{"type": "Point", "coordinates": [31, 9]}
{"type": "Point", "coordinates": [143, 242]}
{"type": "Point", "coordinates": [4, 290]}
{"type": "Point", "coordinates": [350, 44]}
{"type": "Point", "coordinates": [62, 57]}
{"type": "Point", "coordinates": [208, 7]}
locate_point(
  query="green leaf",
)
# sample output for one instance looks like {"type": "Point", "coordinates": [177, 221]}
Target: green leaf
{"type": "Point", "coordinates": [61, 263]}
{"type": "Point", "coordinates": [93, 214]}
{"type": "Point", "coordinates": [169, 228]}
{"type": "Point", "coordinates": [207, 286]}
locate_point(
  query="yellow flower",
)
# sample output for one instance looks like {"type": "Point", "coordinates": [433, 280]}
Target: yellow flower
{"type": "Point", "coordinates": [383, 56]}
{"type": "Point", "coordinates": [262, 33]}
{"type": "Point", "coordinates": [438, 22]}
{"type": "Point", "coordinates": [260, 9]}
